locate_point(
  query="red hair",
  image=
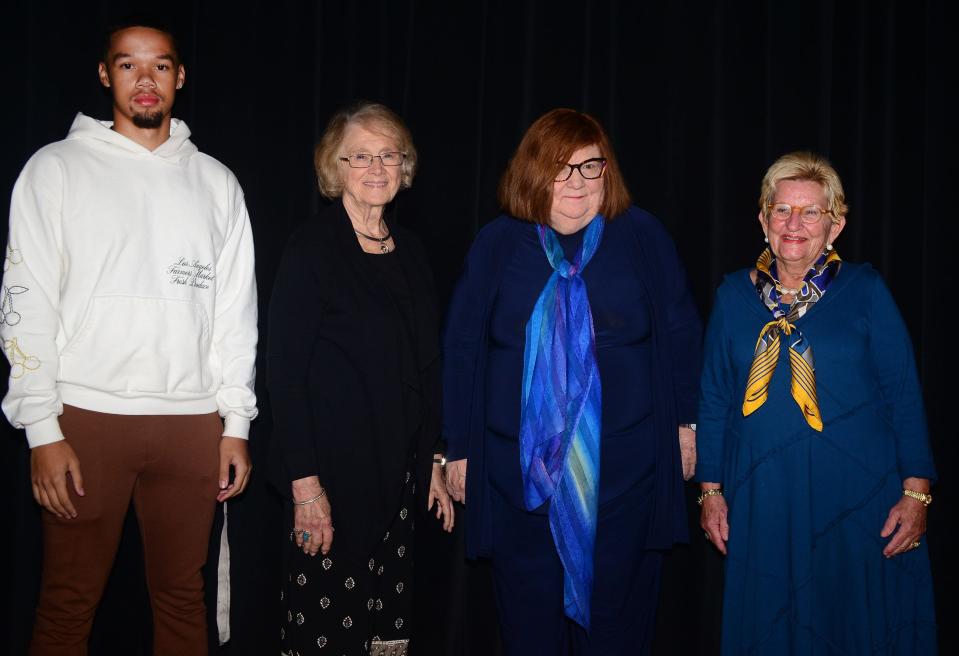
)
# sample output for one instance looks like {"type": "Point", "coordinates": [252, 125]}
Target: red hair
{"type": "Point", "coordinates": [526, 189]}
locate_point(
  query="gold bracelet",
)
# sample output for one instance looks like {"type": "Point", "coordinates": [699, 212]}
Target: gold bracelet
{"type": "Point", "coordinates": [308, 501]}
{"type": "Point", "coordinates": [708, 493]}
{"type": "Point", "coordinates": [921, 497]}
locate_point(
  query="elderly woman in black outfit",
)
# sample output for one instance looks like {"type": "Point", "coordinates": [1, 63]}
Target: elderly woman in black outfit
{"type": "Point", "coordinates": [354, 381]}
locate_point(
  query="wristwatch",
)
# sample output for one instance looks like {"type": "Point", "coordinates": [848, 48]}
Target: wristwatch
{"type": "Point", "coordinates": [921, 497]}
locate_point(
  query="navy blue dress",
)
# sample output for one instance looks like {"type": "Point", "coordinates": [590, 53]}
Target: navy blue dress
{"type": "Point", "coordinates": [805, 572]}
{"type": "Point", "coordinates": [647, 338]}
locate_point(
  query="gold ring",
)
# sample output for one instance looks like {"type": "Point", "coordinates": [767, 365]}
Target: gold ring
{"type": "Point", "coordinates": [915, 545]}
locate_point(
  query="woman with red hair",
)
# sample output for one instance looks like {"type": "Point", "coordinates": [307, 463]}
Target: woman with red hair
{"type": "Point", "coordinates": [571, 366]}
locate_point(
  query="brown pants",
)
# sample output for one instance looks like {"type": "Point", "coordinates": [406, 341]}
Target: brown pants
{"type": "Point", "coordinates": [168, 465]}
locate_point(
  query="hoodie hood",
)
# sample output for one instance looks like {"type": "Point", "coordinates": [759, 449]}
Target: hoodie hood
{"type": "Point", "coordinates": [174, 150]}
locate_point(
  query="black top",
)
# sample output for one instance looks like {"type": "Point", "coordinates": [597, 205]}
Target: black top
{"type": "Point", "coordinates": [353, 371]}
{"type": "Point", "coordinates": [390, 275]}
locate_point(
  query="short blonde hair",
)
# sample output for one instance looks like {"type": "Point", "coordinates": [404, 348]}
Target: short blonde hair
{"type": "Point", "coordinates": [375, 118]}
{"type": "Point", "coordinates": [804, 165]}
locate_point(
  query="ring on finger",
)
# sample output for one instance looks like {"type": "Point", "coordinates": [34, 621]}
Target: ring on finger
{"type": "Point", "coordinates": [915, 545]}
{"type": "Point", "coordinates": [306, 536]}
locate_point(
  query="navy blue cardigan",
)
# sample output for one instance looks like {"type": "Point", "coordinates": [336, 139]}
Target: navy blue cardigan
{"type": "Point", "coordinates": [677, 334]}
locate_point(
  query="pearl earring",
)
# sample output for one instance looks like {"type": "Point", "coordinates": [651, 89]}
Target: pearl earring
{"type": "Point", "coordinates": [766, 239]}
{"type": "Point", "coordinates": [828, 247]}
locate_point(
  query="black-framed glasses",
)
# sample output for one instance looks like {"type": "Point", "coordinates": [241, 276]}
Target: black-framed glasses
{"type": "Point", "coordinates": [365, 160]}
{"type": "Point", "coordinates": [591, 168]}
{"type": "Point", "coordinates": [808, 213]}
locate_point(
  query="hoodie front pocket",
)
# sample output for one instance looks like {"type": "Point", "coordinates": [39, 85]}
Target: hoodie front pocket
{"type": "Point", "coordinates": [132, 344]}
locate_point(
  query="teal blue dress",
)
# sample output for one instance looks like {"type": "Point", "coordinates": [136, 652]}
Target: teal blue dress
{"type": "Point", "coordinates": [805, 574]}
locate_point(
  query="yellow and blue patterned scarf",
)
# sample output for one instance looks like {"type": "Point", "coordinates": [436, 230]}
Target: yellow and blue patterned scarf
{"type": "Point", "coordinates": [766, 354]}
{"type": "Point", "coordinates": [560, 415]}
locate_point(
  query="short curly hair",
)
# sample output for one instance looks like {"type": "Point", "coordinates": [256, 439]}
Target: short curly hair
{"type": "Point", "coordinates": [804, 166]}
{"type": "Point", "coordinates": [139, 20]}
{"type": "Point", "coordinates": [375, 117]}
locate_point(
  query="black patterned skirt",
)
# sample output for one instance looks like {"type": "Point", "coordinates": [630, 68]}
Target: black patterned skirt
{"type": "Point", "coordinates": [348, 603]}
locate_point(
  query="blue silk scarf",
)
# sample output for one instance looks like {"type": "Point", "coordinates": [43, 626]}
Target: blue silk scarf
{"type": "Point", "coordinates": [560, 415]}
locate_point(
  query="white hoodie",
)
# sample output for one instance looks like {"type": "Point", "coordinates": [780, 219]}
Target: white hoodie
{"type": "Point", "coordinates": [128, 285]}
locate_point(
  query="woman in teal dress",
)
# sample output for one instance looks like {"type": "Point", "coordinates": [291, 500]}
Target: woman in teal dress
{"type": "Point", "coordinates": [813, 455]}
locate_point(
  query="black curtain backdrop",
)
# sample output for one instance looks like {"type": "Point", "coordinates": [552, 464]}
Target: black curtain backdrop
{"type": "Point", "coordinates": [699, 98]}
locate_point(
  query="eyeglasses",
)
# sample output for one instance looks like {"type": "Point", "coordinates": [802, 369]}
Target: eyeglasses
{"type": "Point", "coordinates": [590, 169]}
{"type": "Point", "coordinates": [365, 160]}
{"type": "Point", "coordinates": [808, 213]}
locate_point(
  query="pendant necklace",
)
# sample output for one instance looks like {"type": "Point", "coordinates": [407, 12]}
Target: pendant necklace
{"type": "Point", "coordinates": [384, 249]}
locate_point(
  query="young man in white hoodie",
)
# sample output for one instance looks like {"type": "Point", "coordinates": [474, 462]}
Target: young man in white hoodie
{"type": "Point", "coordinates": [129, 320]}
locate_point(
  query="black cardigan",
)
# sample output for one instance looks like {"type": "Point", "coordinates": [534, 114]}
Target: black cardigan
{"type": "Point", "coordinates": [335, 375]}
